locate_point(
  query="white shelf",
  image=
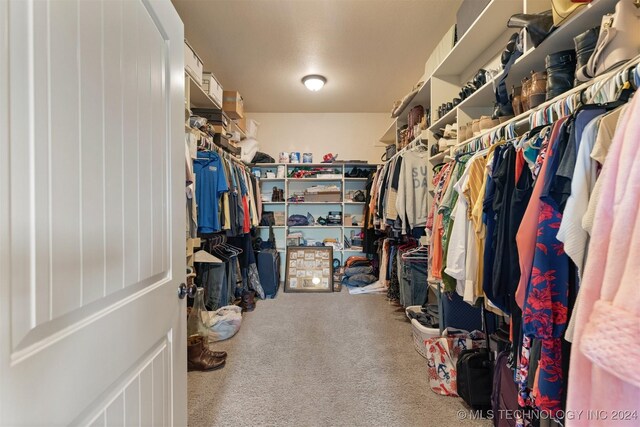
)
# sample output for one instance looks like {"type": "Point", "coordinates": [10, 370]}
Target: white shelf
{"type": "Point", "coordinates": [198, 98]}
{"type": "Point", "coordinates": [315, 179]}
{"type": "Point", "coordinates": [314, 226]}
{"type": "Point", "coordinates": [274, 226]}
{"type": "Point", "coordinates": [483, 97]}
{"type": "Point", "coordinates": [354, 226]}
{"type": "Point", "coordinates": [273, 203]}
{"type": "Point", "coordinates": [482, 34]}
{"type": "Point", "coordinates": [389, 136]}
{"type": "Point", "coordinates": [354, 203]}
{"type": "Point", "coordinates": [314, 203]}
{"type": "Point", "coordinates": [438, 158]}
{"type": "Point", "coordinates": [447, 119]}
{"type": "Point", "coordinates": [271, 179]}
{"type": "Point", "coordinates": [234, 127]}
{"type": "Point", "coordinates": [423, 97]}
{"type": "Point", "coordinates": [352, 249]}
{"type": "Point", "coordinates": [355, 179]}
{"type": "Point", "coordinates": [533, 59]}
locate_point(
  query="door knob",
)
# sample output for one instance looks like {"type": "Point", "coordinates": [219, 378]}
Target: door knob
{"type": "Point", "coordinates": [184, 290]}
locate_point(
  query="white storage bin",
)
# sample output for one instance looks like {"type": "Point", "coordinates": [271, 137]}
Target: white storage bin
{"type": "Point", "coordinates": [192, 63]}
{"type": "Point", "coordinates": [212, 87]}
{"type": "Point", "coordinates": [420, 333]}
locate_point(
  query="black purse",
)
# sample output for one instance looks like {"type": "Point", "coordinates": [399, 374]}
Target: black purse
{"type": "Point", "coordinates": [268, 219]}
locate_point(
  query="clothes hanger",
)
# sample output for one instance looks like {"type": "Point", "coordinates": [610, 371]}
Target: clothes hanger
{"type": "Point", "coordinates": [205, 257]}
{"type": "Point", "coordinates": [419, 253]}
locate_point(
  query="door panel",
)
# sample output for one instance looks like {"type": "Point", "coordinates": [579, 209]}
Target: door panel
{"type": "Point", "coordinates": [92, 216]}
{"type": "Point", "coordinates": [139, 397]}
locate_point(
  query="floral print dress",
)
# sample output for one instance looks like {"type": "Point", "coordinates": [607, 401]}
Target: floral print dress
{"type": "Point", "coordinates": [545, 311]}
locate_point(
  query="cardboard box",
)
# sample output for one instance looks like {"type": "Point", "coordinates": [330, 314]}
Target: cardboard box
{"type": "Point", "coordinates": [212, 87]}
{"type": "Point", "coordinates": [219, 129]}
{"type": "Point", "coordinates": [278, 216]}
{"type": "Point", "coordinates": [329, 196]}
{"type": "Point", "coordinates": [232, 104]}
{"type": "Point", "coordinates": [192, 63]}
{"type": "Point", "coordinates": [242, 124]}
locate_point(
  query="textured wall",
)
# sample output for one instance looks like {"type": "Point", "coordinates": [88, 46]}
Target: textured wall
{"type": "Point", "coordinates": [354, 136]}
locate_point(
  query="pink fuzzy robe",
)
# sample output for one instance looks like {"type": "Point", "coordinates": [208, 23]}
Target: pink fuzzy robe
{"type": "Point", "coordinates": [604, 371]}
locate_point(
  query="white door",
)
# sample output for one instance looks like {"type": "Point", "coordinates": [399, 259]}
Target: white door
{"type": "Point", "coordinates": [91, 213]}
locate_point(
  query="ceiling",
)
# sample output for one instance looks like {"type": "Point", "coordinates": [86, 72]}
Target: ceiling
{"type": "Point", "coordinates": [371, 51]}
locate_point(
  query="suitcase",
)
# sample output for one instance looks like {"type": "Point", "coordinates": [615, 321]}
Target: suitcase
{"type": "Point", "coordinates": [505, 392]}
{"type": "Point", "coordinates": [475, 377]}
{"type": "Point", "coordinates": [475, 372]}
{"type": "Point", "coordinates": [269, 271]}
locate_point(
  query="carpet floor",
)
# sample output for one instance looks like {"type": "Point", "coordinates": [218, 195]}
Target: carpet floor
{"type": "Point", "coordinates": [322, 360]}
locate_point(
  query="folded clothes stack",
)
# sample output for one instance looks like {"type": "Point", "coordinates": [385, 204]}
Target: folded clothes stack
{"type": "Point", "coordinates": [358, 276]}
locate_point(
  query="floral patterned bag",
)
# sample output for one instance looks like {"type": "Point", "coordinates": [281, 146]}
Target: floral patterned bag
{"type": "Point", "coordinates": [442, 357]}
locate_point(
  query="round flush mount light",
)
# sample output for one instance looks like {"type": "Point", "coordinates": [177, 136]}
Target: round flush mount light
{"type": "Point", "coordinates": [314, 82]}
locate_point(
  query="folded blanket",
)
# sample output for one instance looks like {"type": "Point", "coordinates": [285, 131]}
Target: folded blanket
{"type": "Point", "coordinates": [350, 271]}
{"type": "Point", "coordinates": [359, 280]}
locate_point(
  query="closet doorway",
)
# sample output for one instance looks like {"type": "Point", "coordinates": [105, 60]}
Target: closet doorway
{"type": "Point", "coordinates": [92, 213]}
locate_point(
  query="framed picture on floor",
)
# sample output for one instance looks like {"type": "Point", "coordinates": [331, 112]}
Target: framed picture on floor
{"type": "Point", "coordinates": [309, 269]}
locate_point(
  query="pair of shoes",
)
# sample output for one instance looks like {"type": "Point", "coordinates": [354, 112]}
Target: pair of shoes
{"type": "Point", "coordinates": [445, 108]}
{"type": "Point", "coordinates": [200, 358]}
{"type": "Point", "coordinates": [478, 80]}
{"type": "Point", "coordinates": [277, 195]}
{"type": "Point", "coordinates": [534, 90]}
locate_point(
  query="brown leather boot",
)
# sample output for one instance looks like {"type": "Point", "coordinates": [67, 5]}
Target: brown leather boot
{"type": "Point", "coordinates": [538, 91]}
{"type": "Point", "coordinates": [199, 358]}
{"type": "Point", "coordinates": [516, 101]}
{"type": "Point", "coordinates": [524, 95]}
{"type": "Point", "coordinates": [248, 302]}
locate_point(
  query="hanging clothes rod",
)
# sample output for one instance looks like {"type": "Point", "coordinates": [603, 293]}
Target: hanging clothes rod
{"type": "Point", "coordinates": [415, 143]}
{"type": "Point", "coordinates": [559, 104]}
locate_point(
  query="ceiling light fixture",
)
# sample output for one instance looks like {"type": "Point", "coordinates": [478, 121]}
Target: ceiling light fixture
{"type": "Point", "coordinates": [314, 82]}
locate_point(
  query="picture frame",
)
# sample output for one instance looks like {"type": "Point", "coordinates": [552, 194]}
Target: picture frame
{"type": "Point", "coordinates": [309, 269]}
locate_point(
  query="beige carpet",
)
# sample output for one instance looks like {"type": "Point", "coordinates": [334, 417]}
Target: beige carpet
{"type": "Point", "coordinates": [321, 360]}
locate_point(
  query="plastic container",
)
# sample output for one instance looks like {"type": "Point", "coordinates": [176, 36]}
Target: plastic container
{"type": "Point", "coordinates": [420, 333]}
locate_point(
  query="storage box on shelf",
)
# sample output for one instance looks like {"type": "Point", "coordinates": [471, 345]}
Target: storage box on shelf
{"type": "Point", "coordinates": [233, 104]}
{"type": "Point", "coordinates": [192, 63]}
{"type": "Point", "coordinates": [212, 87]}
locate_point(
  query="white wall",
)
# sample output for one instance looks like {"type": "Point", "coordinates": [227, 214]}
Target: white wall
{"type": "Point", "coordinates": [353, 136]}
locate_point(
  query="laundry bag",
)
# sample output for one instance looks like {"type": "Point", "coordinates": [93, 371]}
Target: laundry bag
{"type": "Point", "coordinates": [223, 323]}
{"type": "Point", "coordinates": [442, 357]}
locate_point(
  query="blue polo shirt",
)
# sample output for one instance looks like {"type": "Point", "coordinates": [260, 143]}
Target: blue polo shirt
{"type": "Point", "coordinates": [210, 185]}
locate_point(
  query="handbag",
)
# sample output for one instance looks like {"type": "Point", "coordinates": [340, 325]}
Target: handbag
{"type": "Point", "coordinates": [564, 9]}
{"type": "Point", "coordinates": [268, 219]}
{"type": "Point", "coordinates": [619, 40]}
{"type": "Point", "coordinates": [538, 25]}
